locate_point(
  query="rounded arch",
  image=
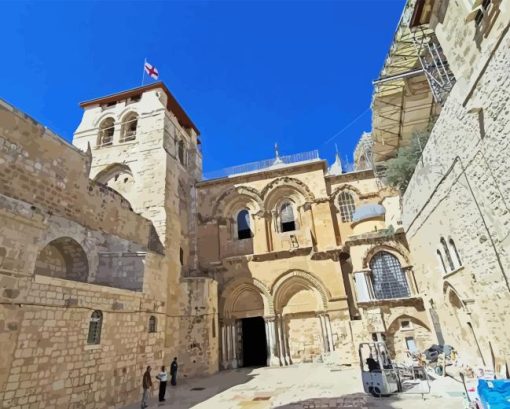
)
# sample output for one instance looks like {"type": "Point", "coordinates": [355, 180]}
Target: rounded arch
{"type": "Point", "coordinates": [286, 187]}
{"type": "Point", "coordinates": [129, 125]}
{"type": "Point", "coordinates": [63, 258]}
{"type": "Point", "coordinates": [235, 198]}
{"type": "Point", "coordinates": [106, 129]}
{"type": "Point", "coordinates": [294, 280]}
{"type": "Point", "coordinates": [395, 323]}
{"type": "Point", "coordinates": [453, 297]}
{"type": "Point", "coordinates": [396, 250]}
{"type": "Point", "coordinates": [346, 188]}
{"type": "Point", "coordinates": [110, 171]}
{"type": "Point", "coordinates": [236, 288]}
{"type": "Point", "coordinates": [119, 177]}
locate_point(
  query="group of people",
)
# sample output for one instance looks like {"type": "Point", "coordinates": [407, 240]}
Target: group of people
{"type": "Point", "coordinates": [162, 377]}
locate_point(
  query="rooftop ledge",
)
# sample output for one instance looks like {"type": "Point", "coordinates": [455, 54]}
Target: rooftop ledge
{"type": "Point", "coordinates": [267, 165]}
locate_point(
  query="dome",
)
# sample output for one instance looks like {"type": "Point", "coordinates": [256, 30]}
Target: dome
{"type": "Point", "coordinates": [367, 211]}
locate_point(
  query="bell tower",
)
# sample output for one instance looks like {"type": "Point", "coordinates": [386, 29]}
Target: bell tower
{"type": "Point", "coordinates": [146, 148]}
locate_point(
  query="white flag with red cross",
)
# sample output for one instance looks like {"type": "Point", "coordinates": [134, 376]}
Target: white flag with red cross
{"type": "Point", "coordinates": [151, 71]}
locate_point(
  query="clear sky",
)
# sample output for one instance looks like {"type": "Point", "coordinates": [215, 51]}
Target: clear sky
{"type": "Point", "coordinates": [249, 74]}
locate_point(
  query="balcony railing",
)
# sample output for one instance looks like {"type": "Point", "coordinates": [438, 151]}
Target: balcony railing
{"type": "Point", "coordinates": [267, 164]}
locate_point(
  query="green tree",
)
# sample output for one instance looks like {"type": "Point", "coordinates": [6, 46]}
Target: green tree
{"type": "Point", "coordinates": [400, 169]}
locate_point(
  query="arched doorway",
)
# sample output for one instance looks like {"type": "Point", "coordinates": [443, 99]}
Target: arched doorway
{"type": "Point", "coordinates": [245, 333]}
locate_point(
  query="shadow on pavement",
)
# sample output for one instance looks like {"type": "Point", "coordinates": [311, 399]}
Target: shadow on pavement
{"type": "Point", "coordinates": [349, 401]}
{"type": "Point", "coordinates": [192, 391]}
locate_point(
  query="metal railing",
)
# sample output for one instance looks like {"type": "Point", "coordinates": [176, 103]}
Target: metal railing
{"type": "Point", "coordinates": [263, 165]}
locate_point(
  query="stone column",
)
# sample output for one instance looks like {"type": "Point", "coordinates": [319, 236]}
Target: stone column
{"type": "Point", "coordinates": [329, 333]}
{"type": "Point", "coordinates": [272, 359]}
{"type": "Point", "coordinates": [285, 339]}
{"type": "Point", "coordinates": [324, 336]}
{"type": "Point", "coordinates": [281, 347]}
{"type": "Point", "coordinates": [233, 332]}
{"type": "Point", "coordinates": [224, 346]}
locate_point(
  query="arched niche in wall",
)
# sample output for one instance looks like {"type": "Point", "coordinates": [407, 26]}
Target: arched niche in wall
{"type": "Point", "coordinates": [63, 258]}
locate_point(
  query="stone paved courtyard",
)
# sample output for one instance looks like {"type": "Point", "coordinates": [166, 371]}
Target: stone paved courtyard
{"type": "Point", "coordinates": [297, 387]}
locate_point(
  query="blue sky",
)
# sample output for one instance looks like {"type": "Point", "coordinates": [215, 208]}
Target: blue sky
{"type": "Point", "coordinates": [249, 74]}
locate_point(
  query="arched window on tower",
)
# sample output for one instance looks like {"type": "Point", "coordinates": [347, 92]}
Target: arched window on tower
{"type": "Point", "coordinates": [129, 125]}
{"type": "Point", "coordinates": [287, 221]}
{"type": "Point", "coordinates": [457, 256]}
{"type": "Point", "coordinates": [180, 151]}
{"type": "Point", "coordinates": [447, 254]}
{"type": "Point", "coordinates": [347, 206]}
{"type": "Point", "coordinates": [243, 225]}
{"type": "Point", "coordinates": [388, 278]}
{"type": "Point", "coordinates": [106, 130]}
{"type": "Point", "coordinates": [95, 324]}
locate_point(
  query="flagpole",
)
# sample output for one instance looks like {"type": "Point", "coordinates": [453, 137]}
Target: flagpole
{"type": "Point", "coordinates": [143, 71]}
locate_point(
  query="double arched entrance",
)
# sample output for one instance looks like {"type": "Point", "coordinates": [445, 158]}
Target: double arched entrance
{"type": "Point", "coordinates": [277, 325]}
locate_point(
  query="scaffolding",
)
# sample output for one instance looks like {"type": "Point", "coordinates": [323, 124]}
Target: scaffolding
{"type": "Point", "coordinates": [413, 85]}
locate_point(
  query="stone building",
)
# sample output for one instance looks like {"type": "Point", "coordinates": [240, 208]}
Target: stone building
{"type": "Point", "coordinates": [308, 261]}
{"type": "Point", "coordinates": [455, 79]}
{"type": "Point", "coordinates": [116, 253]}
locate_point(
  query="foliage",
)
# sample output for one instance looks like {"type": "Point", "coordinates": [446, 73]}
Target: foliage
{"type": "Point", "coordinates": [400, 169]}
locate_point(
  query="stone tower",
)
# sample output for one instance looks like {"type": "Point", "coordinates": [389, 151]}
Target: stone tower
{"type": "Point", "coordinates": [144, 146]}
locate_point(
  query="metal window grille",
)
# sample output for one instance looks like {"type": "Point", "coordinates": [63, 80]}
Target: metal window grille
{"type": "Point", "coordinates": [287, 218]}
{"type": "Point", "coordinates": [347, 206]}
{"type": "Point", "coordinates": [448, 255]}
{"type": "Point", "coordinates": [96, 321]}
{"type": "Point", "coordinates": [243, 225]}
{"type": "Point", "coordinates": [152, 323]}
{"type": "Point", "coordinates": [457, 256]}
{"type": "Point", "coordinates": [388, 278]}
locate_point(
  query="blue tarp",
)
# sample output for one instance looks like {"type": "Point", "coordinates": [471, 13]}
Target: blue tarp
{"type": "Point", "coordinates": [494, 394]}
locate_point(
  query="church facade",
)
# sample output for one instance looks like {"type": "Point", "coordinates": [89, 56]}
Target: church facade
{"type": "Point", "coordinates": [117, 254]}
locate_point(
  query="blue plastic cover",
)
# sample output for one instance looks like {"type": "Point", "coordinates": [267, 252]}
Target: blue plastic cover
{"type": "Point", "coordinates": [494, 394]}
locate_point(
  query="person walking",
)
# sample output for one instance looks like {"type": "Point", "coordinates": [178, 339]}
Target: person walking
{"type": "Point", "coordinates": [173, 372]}
{"type": "Point", "coordinates": [146, 385]}
{"type": "Point", "coordinates": [162, 377]}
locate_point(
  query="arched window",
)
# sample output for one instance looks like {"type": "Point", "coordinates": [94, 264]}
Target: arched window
{"type": "Point", "coordinates": [106, 130]}
{"type": "Point", "coordinates": [287, 221]}
{"type": "Point", "coordinates": [96, 321]}
{"type": "Point", "coordinates": [347, 207]}
{"type": "Point", "coordinates": [454, 247]}
{"type": "Point", "coordinates": [447, 254]}
{"type": "Point", "coordinates": [388, 278]}
{"type": "Point", "coordinates": [152, 323]}
{"type": "Point", "coordinates": [180, 151]}
{"type": "Point", "coordinates": [243, 225]}
{"type": "Point", "coordinates": [129, 125]}
{"type": "Point", "coordinates": [441, 260]}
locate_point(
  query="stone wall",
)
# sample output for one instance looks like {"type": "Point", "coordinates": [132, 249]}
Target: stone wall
{"type": "Point", "coordinates": [460, 191]}
{"type": "Point", "coordinates": [45, 356]}
{"type": "Point", "coordinates": [58, 231]}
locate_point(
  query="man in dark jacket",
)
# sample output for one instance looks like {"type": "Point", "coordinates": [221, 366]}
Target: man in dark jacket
{"type": "Point", "coordinates": [173, 372]}
{"type": "Point", "coordinates": [146, 385]}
